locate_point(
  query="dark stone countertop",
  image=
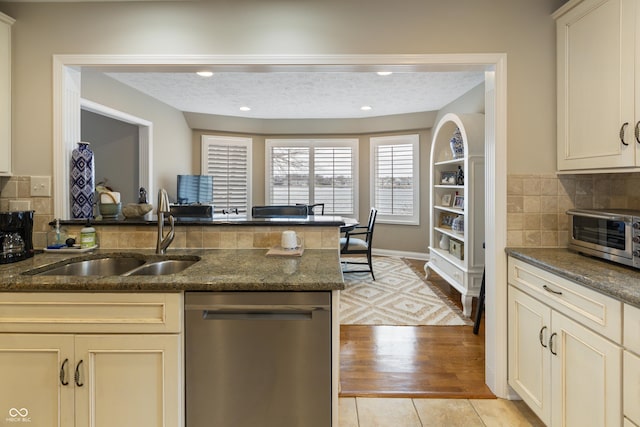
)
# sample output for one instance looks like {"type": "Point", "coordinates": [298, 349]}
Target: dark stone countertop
{"type": "Point", "coordinates": [151, 220]}
{"type": "Point", "coordinates": [218, 270]}
{"type": "Point", "coordinates": [615, 280]}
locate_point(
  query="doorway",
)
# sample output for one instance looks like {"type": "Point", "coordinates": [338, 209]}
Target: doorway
{"type": "Point", "coordinates": [66, 132]}
{"type": "Point", "coordinates": [131, 144]}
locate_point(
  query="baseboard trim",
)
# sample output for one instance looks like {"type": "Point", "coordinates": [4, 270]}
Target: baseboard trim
{"type": "Point", "coordinates": [402, 254]}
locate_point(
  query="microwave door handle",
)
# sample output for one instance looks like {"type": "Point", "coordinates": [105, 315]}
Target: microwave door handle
{"type": "Point", "coordinates": [601, 216]}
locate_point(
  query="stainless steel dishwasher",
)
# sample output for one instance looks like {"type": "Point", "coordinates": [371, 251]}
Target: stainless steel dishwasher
{"type": "Point", "coordinates": [258, 359]}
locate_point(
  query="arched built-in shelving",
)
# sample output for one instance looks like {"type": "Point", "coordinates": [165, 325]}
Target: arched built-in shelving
{"type": "Point", "coordinates": [459, 256]}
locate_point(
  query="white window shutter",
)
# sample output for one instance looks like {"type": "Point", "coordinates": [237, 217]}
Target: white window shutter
{"type": "Point", "coordinates": [395, 178]}
{"type": "Point", "coordinates": [313, 171]}
{"type": "Point", "coordinates": [228, 160]}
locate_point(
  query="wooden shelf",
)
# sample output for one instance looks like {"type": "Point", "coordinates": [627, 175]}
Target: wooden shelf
{"type": "Point", "coordinates": [449, 232]}
{"type": "Point", "coordinates": [449, 209]}
{"type": "Point", "coordinates": [459, 161]}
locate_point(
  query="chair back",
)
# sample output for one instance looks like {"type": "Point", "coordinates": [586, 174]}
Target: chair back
{"type": "Point", "coordinates": [312, 209]}
{"type": "Point", "coordinates": [372, 222]}
{"type": "Point", "coordinates": [316, 208]}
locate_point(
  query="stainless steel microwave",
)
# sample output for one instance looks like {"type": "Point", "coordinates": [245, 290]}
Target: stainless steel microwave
{"type": "Point", "coordinates": [612, 234]}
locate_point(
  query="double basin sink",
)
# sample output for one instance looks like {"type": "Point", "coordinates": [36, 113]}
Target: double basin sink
{"type": "Point", "coordinates": [117, 265]}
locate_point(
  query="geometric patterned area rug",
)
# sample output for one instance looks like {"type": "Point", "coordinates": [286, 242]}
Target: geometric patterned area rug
{"type": "Point", "coordinates": [398, 297]}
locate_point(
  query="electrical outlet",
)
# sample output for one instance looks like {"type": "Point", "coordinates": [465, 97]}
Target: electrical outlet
{"type": "Point", "coordinates": [40, 186]}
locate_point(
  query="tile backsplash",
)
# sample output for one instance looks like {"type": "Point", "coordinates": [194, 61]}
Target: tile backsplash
{"type": "Point", "coordinates": [537, 204]}
{"type": "Point", "coordinates": [15, 195]}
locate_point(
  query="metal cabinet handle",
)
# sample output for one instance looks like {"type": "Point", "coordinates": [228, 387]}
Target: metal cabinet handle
{"type": "Point", "coordinates": [63, 373]}
{"type": "Point", "coordinates": [637, 132]}
{"type": "Point", "coordinates": [540, 336]}
{"type": "Point", "coordinates": [548, 289]}
{"type": "Point", "coordinates": [622, 128]}
{"type": "Point", "coordinates": [551, 343]}
{"type": "Point", "coordinates": [76, 376]}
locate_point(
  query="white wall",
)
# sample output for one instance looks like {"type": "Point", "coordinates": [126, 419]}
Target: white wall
{"type": "Point", "coordinates": [523, 29]}
{"type": "Point", "coordinates": [115, 148]}
{"type": "Point", "coordinates": [172, 151]}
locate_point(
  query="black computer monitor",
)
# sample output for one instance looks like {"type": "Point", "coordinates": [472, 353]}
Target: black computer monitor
{"type": "Point", "coordinates": [195, 189]}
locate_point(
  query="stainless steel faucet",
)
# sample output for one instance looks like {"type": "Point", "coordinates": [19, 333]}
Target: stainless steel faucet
{"type": "Point", "coordinates": [163, 208]}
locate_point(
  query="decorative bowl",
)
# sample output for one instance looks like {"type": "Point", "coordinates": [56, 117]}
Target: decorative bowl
{"type": "Point", "coordinates": [109, 210]}
{"type": "Point", "coordinates": [136, 210]}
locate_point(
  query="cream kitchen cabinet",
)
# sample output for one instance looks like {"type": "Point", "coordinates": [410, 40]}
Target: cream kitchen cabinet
{"type": "Point", "coordinates": [560, 362]}
{"type": "Point", "coordinates": [456, 249]}
{"type": "Point", "coordinates": [598, 85]}
{"type": "Point", "coordinates": [91, 359]}
{"type": "Point", "coordinates": [631, 363]}
{"type": "Point", "coordinates": [5, 94]}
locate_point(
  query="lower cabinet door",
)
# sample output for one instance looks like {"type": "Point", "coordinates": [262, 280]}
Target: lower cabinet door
{"type": "Point", "coordinates": [586, 373]}
{"type": "Point", "coordinates": [36, 380]}
{"type": "Point", "coordinates": [128, 381]}
{"type": "Point", "coordinates": [529, 356]}
{"type": "Point", "coordinates": [631, 387]}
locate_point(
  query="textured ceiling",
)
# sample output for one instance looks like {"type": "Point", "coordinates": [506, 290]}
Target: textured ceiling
{"type": "Point", "coordinates": [303, 95]}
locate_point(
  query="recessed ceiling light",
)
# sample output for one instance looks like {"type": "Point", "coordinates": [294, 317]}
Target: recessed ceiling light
{"type": "Point", "coordinates": [365, 107]}
{"type": "Point", "coordinates": [245, 108]}
{"type": "Point", "coordinates": [384, 73]}
{"type": "Point", "coordinates": [204, 73]}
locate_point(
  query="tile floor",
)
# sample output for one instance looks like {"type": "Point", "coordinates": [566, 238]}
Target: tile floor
{"type": "Point", "coordinates": [396, 412]}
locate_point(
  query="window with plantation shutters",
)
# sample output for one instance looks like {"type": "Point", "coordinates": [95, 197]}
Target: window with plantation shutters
{"type": "Point", "coordinates": [395, 178]}
{"type": "Point", "coordinates": [228, 160]}
{"type": "Point", "coordinates": [313, 171]}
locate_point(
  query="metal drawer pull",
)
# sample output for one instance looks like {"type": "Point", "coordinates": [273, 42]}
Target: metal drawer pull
{"type": "Point", "coordinates": [551, 343]}
{"type": "Point", "coordinates": [76, 377]}
{"type": "Point", "coordinates": [540, 337]}
{"type": "Point", "coordinates": [548, 289]}
{"type": "Point", "coordinates": [637, 132]}
{"type": "Point", "coordinates": [62, 372]}
{"type": "Point", "coordinates": [624, 126]}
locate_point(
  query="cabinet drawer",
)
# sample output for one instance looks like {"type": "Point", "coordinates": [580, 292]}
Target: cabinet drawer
{"type": "Point", "coordinates": [631, 335]}
{"type": "Point", "coordinates": [597, 311]}
{"type": "Point", "coordinates": [631, 387]}
{"type": "Point", "coordinates": [90, 312]}
{"type": "Point", "coordinates": [445, 268]}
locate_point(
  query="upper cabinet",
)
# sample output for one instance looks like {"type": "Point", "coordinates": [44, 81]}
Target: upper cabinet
{"type": "Point", "coordinates": [5, 94]}
{"type": "Point", "coordinates": [598, 85]}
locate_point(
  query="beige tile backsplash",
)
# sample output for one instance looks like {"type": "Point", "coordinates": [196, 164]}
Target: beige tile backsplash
{"type": "Point", "coordinates": [536, 206]}
{"type": "Point", "coordinates": [15, 190]}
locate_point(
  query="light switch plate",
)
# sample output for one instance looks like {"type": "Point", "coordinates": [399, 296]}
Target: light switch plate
{"type": "Point", "coordinates": [40, 186]}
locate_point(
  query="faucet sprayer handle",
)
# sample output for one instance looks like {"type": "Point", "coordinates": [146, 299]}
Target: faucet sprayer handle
{"type": "Point", "coordinates": [163, 201]}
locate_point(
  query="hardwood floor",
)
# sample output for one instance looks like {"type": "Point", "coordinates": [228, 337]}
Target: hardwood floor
{"type": "Point", "coordinates": [413, 361]}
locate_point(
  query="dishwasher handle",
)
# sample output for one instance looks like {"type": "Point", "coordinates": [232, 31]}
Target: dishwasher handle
{"type": "Point", "coordinates": [275, 312]}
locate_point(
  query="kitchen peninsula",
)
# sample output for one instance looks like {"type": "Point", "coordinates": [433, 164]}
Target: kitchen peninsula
{"type": "Point", "coordinates": [316, 231]}
{"type": "Point", "coordinates": [118, 341]}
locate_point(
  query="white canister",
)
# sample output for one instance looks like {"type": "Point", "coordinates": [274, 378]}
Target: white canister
{"type": "Point", "coordinates": [444, 242]}
{"type": "Point", "coordinates": [290, 240]}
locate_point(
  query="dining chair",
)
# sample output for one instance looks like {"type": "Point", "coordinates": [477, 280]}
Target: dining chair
{"type": "Point", "coordinates": [315, 209]}
{"type": "Point", "coordinates": [359, 245]}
